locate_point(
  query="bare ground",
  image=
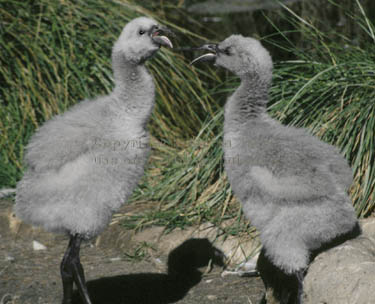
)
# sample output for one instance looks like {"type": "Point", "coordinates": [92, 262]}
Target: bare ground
{"type": "Point", "coordinates": [28, 276]}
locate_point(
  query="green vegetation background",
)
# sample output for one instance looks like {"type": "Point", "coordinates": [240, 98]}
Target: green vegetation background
{"type": "Point", "coordinates": [56, 53]}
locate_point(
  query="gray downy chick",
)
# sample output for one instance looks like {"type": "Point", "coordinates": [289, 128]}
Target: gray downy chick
{"type": "Point", "coordinates": [292, 186]}
{"type": "Point", "coordinates": [83, 165]}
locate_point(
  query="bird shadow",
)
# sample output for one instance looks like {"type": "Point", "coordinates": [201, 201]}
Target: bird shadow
{"type": "Point", "coordinates": [157, 288]}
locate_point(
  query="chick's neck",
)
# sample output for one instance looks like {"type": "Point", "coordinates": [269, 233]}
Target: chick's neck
{"type": "Point", "coordinates": [249, 101]}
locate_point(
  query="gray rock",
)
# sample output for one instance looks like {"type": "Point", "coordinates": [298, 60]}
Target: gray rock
{"type": "Point", "coordinates": [344, 274]}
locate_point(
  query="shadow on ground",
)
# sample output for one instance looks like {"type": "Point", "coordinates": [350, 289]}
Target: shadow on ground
{"type": "Point", "coordinates": [144, 288]}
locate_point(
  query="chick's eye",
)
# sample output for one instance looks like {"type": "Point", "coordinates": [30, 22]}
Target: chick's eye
{"type": "Point", "coordinates": [141, 32]}
{"type": "Point", "coordinates": [227, 51]}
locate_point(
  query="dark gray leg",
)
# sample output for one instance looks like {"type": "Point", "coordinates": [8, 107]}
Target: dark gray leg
{"type": "Point", "coordinates": [285, 288]}
{"type": "Point", "coordinates": [72, 271]}
{"type": "Point", "coordinates": [263, 300]}
{"type": "Point", "coordinates": [67, 275]}
{"type": "Point", "coordinates": [300, 276]}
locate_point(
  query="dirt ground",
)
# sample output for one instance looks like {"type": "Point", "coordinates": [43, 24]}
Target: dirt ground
{"type": "Point", "coordinates": [29, 276]}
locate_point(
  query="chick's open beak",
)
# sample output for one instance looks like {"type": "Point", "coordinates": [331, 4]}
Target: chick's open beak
{"type": "Point", "coordinates": [211, 56]}
{"type": "Point", "coordinates": [158, 37]}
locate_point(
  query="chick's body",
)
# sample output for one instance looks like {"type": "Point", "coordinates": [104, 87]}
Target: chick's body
{"type": "Point", "coordinates": [83, 165]}
{"type": "Point", "coordinates": [291, 185]}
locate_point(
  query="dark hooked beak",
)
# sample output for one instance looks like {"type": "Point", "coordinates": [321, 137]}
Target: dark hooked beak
{"type": "Point", "coordinates": [211, 56]}
{"type": "Point", "coordinates": [158, 37]}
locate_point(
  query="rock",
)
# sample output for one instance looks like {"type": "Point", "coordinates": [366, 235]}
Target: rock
{"type": "Point", "coordinates": [9, 259]}
{"type": "Point", "coordinates": [114, 236]}
{"type": "Point", "coordinates": [38, 246]}
{"type": "Point", "coordinates": [368, 227]}
{"type": "Point", "coordinates": [212, 297]}
{"type": "Point", "coordinates": [344, 274]}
